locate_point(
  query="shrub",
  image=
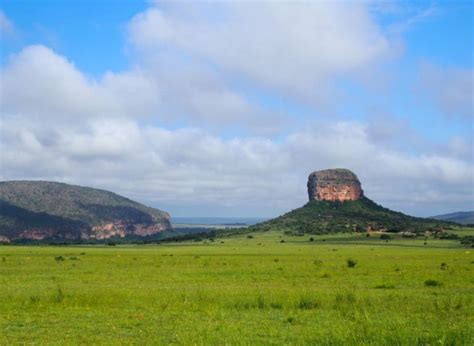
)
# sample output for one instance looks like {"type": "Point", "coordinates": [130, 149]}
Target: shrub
{"type": "Point", "coordinates": [311, 239]}
{"type": "Point", "coordinates": [351, 263]}
{"type": "Point", "coordinates": [443, 266]}
{"type": "Point", "coordinates": [282, 241]}
{"type": "Point", "coordinates": [59, 258]}
{"type": "Point", "coordinates": [261, 302]}
{"type": "Point", "coordinates": [385, 237]}
{"type": "Point", "coordinates": [58, 297]}
{"type": "Point", "coordinates": [276, 305]}
{"type": "Point", "coordinates": [307, 303]}
{"type": "Point", "coordinates": [383, 286]}
{"type": "Point", "coordinates": [250, 236]}
{"type": "Point", "coordinates": [432, 283]}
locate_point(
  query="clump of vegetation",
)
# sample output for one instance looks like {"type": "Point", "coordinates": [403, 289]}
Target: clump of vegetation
{"type": "Point", "coordinates": [351, 263]}
{"type": "Point", "coordinates": [307, 303]}
{"type": "Point", "coordinates": [250, 236]}
{"type": "Point", "coordinates": [384, 286]}
{"type": "Point", "coordinates": [432, 283]}
{"type": "Point", "coordinates": [276, 305]}
{"type": "Point", "coordinates": [59, 259]}
{"type": "Point", "coordinates": [58, 295]}
{"type": "Point", "coordinates": [261, 302]}
{"type": "Point", "coordinates": [443, 266]}
{"type": "Point", "coordinates": [34, 299]}
{"type": "Point", "coordinates": [468, 240]}
{"type": "Point", "coordinates": [385, 237]}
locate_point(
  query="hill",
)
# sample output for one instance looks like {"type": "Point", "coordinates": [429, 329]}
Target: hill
{"type": "Point", "coordinates": [462, 217]}
{"type": "Point", "coordinates": [337, 204]}
{"type": "Point", "coordinates": [320, 217]}
{"type": "Point", "coordinates": [49, 210]}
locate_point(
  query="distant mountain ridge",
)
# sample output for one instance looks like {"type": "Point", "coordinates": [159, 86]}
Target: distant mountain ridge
{"type": "Point", "coordinates": [50, 210]}
{"type": "Point", "coordinates": [461, 217]}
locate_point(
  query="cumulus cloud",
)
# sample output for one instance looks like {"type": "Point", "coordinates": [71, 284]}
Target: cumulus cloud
{"type": "Point", "coordinates": [450, 89]}
{"type": "Point", "coordinates": [291, 47]}
{"type": "Point", "coordinates": [250, 175]}
{"type": "Point", "coordinates": [168, 130]}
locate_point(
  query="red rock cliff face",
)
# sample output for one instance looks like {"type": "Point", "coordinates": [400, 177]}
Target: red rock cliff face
{"type": "Point", "coordinates": [121, 228]}
{"type": "Point", "coordinates": [334, 185]}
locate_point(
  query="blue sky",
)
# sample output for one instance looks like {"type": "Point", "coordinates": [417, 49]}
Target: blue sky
{"type": "Point", "coordinates": [252, 85]}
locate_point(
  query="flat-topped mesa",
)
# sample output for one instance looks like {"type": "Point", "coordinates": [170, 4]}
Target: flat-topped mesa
{"type": "Point", "coordinates": [334, 185]}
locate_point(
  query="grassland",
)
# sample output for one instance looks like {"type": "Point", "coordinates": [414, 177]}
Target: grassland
{"type": "Point", "coordinates": [240, 290]}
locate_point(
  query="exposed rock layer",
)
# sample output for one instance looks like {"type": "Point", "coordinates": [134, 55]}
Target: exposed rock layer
{"type": "Point", "coordinates": [334, 185]}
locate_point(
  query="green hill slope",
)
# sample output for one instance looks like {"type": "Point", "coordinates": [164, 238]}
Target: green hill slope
{"type": "Point", "coordinates": [41, 209]}
{"type": "Point", "coordinates": [318, 217]}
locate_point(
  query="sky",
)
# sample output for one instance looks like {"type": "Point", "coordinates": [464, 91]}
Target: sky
{"type": "Point", "coordinates": [223, 108]}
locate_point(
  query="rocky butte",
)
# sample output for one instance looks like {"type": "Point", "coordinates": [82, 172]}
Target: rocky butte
{"type": "Point", "coordinates": [334, 185]}
{"type": "Point", "coordinates": [338, 204]}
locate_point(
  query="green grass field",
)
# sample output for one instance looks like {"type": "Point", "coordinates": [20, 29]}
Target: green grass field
{"type": "Point", "coordinates": [241, 291]}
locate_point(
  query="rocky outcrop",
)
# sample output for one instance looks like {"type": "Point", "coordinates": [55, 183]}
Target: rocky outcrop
{"type": "Point", "coordinates": [51, 211]}
{"type": "Point", "coordinates": [121, 228]}
{"type": "Point", "coordinates": [334, 185]}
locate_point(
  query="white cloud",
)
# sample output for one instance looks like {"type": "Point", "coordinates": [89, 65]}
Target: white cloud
{"type": "Point", "coordinates": [193, 168]}
{"type": "Point", "coordinates": [114, 131]}
{"type": "Point", "coordinates": [292, 47]}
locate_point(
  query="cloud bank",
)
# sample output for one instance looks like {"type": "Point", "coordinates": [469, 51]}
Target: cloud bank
{"type": "Point", "coordinates": [179, 131]}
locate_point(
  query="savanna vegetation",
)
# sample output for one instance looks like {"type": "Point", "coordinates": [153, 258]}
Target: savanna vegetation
{"type": "Point", "coordinates": [259, 288]}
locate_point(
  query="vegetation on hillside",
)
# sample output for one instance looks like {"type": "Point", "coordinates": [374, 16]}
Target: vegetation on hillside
{"type": "Point", "coordinates": [65, 208]}
{"type": "Point", "coordinates": [320, 217]}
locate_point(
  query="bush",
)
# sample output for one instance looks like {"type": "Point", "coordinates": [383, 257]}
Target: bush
{"type": "Point", "coordinates": [385, 237]}
{"type": "Point", "coordinates": [311, 239]}
{"type": "Point", "coordinates": [432, 283]}
{"type": "Point", "coordinates": [250, 236]}
{"type": "Point", "coordinates": [307, 303]}
{"type": "Point", "coordinates": [59, 258]}
{"type": "Point", "coordinates": [385, 286]}
{"type": "Point", "coordinates": [351, 263]}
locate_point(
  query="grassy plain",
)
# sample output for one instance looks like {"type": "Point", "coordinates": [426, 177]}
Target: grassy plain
{"type": "Point", "coordinates": [240, 291]}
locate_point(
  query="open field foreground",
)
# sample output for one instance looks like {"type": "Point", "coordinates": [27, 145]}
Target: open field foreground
{"type": "Point", "coordinates": [242, 291]}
